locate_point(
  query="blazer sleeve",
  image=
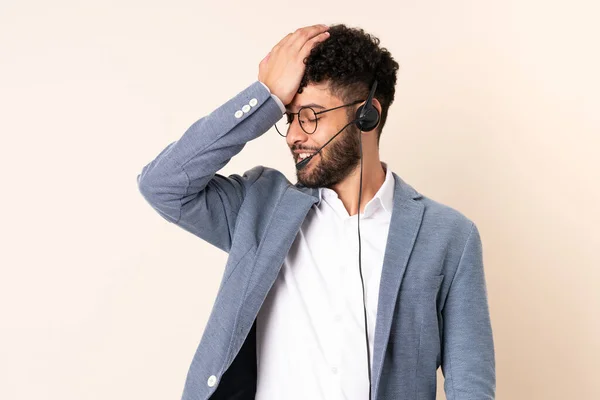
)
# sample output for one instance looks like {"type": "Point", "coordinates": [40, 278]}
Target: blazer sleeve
{"type": "Point", "coordinates": [468, 360]}
{"type": "Point", "coordinates": [182, 184]}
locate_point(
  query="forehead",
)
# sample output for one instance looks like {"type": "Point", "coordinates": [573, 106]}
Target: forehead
{"type": "Point", "coordinates": [313, 94]}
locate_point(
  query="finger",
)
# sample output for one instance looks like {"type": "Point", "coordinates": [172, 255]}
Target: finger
{"type": "Point", "coordinates": [303, 35]}
{"type": "Point", "coordinates": [305, 50]}
{"type": "Point", "coordinates": [263, 65]}
{"type": "Point", "coordinates": [282, 42]}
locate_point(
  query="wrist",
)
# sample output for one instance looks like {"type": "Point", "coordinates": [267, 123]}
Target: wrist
{"type": "Point", "coordinates": [275, 97]}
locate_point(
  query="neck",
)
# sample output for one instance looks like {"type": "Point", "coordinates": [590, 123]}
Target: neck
{"type": "Point", "coordinates": [373, 177]}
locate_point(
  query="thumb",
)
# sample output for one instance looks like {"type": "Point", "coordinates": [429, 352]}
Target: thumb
{"type": "Point", "coordinates": [264, 60]}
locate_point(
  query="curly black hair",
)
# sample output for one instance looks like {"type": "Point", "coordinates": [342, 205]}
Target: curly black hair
{"type": "Point", "coordinates": [349, 60]}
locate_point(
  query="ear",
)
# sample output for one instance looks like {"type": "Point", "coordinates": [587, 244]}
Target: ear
{"type": "Point", "coordinates": [377, 105]}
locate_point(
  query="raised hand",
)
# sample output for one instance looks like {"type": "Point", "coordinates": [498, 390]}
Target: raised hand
{"type": "Point", "coordinates": [283, 67]}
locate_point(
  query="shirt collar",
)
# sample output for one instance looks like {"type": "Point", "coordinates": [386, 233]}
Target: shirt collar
{"type": "Point", "coordinates": [384, 198]}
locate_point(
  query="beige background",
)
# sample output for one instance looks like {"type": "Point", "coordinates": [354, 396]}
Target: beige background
{"type": "Point", "coordinates": [496, 114]}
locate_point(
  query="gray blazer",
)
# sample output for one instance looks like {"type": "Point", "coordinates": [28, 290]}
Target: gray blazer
{"type": "Point", "coordinates": [432, 309]}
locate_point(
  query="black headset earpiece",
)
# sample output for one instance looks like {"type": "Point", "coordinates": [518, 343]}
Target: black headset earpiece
{"type": "Point", "coordinates": [367, 116]}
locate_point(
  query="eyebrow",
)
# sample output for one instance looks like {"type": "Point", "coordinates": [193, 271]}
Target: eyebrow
{"type": "Point", "coordinates": [314, 105]}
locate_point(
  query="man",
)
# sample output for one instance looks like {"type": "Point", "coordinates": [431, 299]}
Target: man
{"type": "Point", "coordinates": [288, 321]}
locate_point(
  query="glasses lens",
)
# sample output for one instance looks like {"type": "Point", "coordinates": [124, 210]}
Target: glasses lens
{"type": "Point", "coordinates": [283, 125]}
{"type": "Point", "coordinates": [308, 120]}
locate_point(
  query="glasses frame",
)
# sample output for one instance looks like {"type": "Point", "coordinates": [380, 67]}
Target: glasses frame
{"type": "Point", "coordinates": [315, 113]}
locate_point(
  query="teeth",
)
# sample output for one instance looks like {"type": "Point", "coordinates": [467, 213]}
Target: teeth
{"type": "Point", "coordinates": [303, 155]}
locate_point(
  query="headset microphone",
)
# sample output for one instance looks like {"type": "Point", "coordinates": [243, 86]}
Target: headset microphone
{"type": "Point", "coordinates": [303, 163]}
{"type": "Point", "coordinates": [367, 116]}
{"type": "Point", "coordinates": [366, 119]}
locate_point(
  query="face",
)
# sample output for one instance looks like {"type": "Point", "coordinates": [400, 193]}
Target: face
{"type": "Point", "coordinates": [340, 156]}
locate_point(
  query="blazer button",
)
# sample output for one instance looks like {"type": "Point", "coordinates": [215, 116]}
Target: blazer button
{"type": "Point", "coordinates": [246, 108]}
{"type": "Point", "coordinates": [253, 102]}
{"type": "Point", "coordinates": [212, 380]}
{"type": "Point", "coordinates": [239, 113]}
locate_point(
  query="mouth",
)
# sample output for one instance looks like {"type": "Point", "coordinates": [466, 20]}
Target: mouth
{"type": "Point", "coordinates": [302, 156]}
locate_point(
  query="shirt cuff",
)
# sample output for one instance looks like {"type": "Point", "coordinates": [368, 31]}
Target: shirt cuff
{"type": "Point", "coordinates": [279, 102]}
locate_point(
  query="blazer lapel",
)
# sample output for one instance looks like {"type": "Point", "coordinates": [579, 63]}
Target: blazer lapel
{"type": "Point", "coordinates": [287, 218]}
{"type": "Point", "coordinates": [405, 222]}
{"type": "Point", "coordinates": [406, 218]}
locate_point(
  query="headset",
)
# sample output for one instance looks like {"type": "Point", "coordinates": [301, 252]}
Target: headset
{"type": "Point", "coordinates": [366, 119]}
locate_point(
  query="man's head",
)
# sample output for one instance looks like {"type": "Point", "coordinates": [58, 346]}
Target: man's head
{"type": "Point", "coordinates": [339, 71]}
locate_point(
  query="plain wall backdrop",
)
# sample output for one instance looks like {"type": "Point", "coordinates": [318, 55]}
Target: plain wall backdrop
{"type": "Point", "coordinates": [101, 298]}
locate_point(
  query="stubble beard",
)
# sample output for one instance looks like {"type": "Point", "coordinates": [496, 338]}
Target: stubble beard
{"type": "Point", "coordinates": [335, 162]}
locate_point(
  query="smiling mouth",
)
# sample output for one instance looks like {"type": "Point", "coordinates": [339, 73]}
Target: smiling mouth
{"type": "Point", "coordinates": [303, 156]}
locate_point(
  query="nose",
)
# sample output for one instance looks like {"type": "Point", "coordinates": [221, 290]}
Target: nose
{"type": "Point", "coordinates": [296, 134]}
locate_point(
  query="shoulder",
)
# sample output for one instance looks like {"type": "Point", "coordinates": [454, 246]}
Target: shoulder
{"type": "Point", "coordinates": [440, 219]}
{"type": "Point", "coordinates": [444, 214]}
{"type": "Point", "coordinates": [267, 178]}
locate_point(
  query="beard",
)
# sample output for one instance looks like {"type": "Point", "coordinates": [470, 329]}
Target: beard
{"type": "Point", "coordinates": [335, 162]}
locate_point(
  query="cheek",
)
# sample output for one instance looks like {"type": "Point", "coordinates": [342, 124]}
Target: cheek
{"type": "Point", "coordinates": [326, 129]}
{"type": "Point", "coordinates": [334, 125]}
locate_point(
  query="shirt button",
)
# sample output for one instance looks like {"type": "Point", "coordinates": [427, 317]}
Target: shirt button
{"type": "Point", "coordinates": [239, 113]}
{"type": "Point", "coordinates": [253, 102]}
{"type": "Point", "coordinates": [334, 370]}
{"type": "Point", "coordinates": [246, 108]}
{"type": "Point", "coordinates": [338, 318]}
{"type": "Point", "coordinates": [212, 380]}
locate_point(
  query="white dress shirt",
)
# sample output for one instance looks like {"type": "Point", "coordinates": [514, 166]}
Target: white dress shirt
{"type": "Point", "coordinates": [310, 328]}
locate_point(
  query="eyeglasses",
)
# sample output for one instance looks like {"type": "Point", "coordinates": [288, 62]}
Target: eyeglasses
{"type": "Point", "coordinates": [307, 118]}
